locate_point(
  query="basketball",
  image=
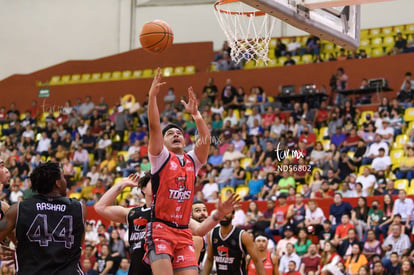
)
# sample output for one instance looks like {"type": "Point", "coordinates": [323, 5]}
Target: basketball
{"type": "Point", "coordinates": [156, 36]}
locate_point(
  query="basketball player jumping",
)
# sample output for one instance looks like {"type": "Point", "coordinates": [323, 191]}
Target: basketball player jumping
{"type": "Point", "coordinates": [49, 226]}
{"type": "Point", "coordinates": [173, 174]}
{"type": "Point", "coordinates": [138, 217]}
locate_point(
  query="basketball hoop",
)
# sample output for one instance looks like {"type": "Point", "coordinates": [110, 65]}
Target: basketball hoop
{"type": "Point", "coordinates": [247, 30]}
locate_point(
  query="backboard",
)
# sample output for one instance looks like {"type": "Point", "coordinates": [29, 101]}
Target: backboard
{"type": "Point", "coordinates": [340, 25]}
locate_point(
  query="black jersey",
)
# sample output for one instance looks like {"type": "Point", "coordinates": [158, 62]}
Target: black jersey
{"type": "Point", "coordinates": [49, 232]}
{"type": "Point", "coordinates": [137, 220]}
{"type": "Point", "coordinates": [202, 252]}
{"type": "Point", "coordinates": [229, 252]}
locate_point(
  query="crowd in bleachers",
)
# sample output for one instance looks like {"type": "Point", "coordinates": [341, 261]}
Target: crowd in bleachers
{"type": "Point", "coordinates": [257, 150]}
{"type": "Point", "coordinates": [311, 49]}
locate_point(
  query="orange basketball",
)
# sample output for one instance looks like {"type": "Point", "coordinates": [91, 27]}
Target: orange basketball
{"type": "Point", "coordinates": [156, 36]}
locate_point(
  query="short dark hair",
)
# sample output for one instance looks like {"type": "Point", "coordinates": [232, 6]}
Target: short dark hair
{"type": "Point", "coordinates": [143, 181]}
{"type": "Point", "coordinates": [171, 126]}
{"type": "Point", "coordinates": [199, 202]}
{"type": "Point", "coordinates": [44, 177]}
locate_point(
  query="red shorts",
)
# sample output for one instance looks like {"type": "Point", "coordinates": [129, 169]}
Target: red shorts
{"type": "Point", "coordinates": [177, 243]}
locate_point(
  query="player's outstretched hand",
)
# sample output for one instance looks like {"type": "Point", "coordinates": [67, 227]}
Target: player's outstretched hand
{"type": "Point", "coordinates": [191, 107]}
{"type": "Point", "coordinates": [156, 83]}
{"type": "Point", "coordinates": [226, 207]}
{"type": "Point", "coordinates": [7, 254]}
{"type": "Point", "coordinates": [131, 181]}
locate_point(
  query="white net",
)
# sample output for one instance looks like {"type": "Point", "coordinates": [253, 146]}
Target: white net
{"type": "Point", "coordinates": [247, 30]}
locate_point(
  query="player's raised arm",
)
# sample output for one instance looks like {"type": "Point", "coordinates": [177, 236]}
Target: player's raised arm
{"type": "Point", "coordinates": [156, 140]}
{"type": "Point", "coordinates": [111, 212]}
{"type": "Point", "coordinates": [223, 209]}
{"type": "Point", "coordinates": [203, 142]}
{"type": "Point", "coordinates": [8, 223]}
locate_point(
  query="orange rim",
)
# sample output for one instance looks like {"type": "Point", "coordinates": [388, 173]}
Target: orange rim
{"type": "Point", "coordinates": [247, 13]}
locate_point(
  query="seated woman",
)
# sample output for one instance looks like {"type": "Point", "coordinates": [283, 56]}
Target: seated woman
{"type": "Point", "coordinates": [355, 261]}
{"type": "Point", "coordinates": [252, 216]}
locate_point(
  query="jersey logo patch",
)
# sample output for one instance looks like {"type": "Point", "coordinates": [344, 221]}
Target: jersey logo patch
{"type": "Point", "coordinates": [223, 251]}
{"type": "Point", "coordinates": [173, 166]}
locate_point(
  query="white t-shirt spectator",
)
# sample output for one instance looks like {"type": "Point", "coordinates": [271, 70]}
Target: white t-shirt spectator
{"type": "Point", "coordinates": [374, 147]}
{"type": "Point", "coordinates": [385, 132]}
{"type": "Point", "coordinates": [43, 145]}
{"type": "Point", "coordinates": [14, 195]}
{"type": "Point", "coordinates": [238, 145]}
{"type": "Point", "coordinates": [367, 181]}
{"type": "Point", "coordinates": [404, 208]}
{"type": "Point", "coordinates": [315, 215]}
{"type": "Point", "coordinates": [381, 163]}
{"type": "Point", "coordinates": [239, 218]}
{"type": "Point", "coordinates": [209, 189]}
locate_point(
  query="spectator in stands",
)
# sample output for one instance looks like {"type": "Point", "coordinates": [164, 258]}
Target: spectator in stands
{"type": "Point", "coordinates": [255, 185]}
{"type": "Point", "coordinates": [400, 44]}
{"type": "Point", "coordinates": [131, 165]}
{"type": "Point", "coordinates": [239, 216]}
{"type": "Point", "coordinates": [397, 242]}
{"type": "Point", "coordinates": [324, 191]}
{"type": "Point", "coordinates": [385, 131]}
{"type": "Point", "coordinates": [81, 158]}
{"type": "Point", "coordinates": [279, 220]}
{"type": "Point", "coordinates": [312, 46]}
{"type": "Point", "coordinates": [86, 108]}
{"type": "Point", "coordinates": [303, 242]}
{"type": "Point", "coordinates": [355, 261]}
{"type": "Point", "coordinates": [372, 246]}
{"type": "Point", "coordinates": [280, 48]}
{"type": "Point", "coordinates": [264, 221]}
{"type": "Point", "coordinates": [277, 128]}
{"type": "Point", "coordinates": [281, 248]}
{"type": "Point", "coordinates": [288, 259]}
{"type": "Point", "coordinates": [405, 96]}
{"type": "Point", "coordinates": [289, 61]}
{"type": "Point", "coordinates": [285, 182]}
{"type": "Point", "coordinates": [341, 231]}
{"type": "Point", "coordinates": [406, 169]}
{"type": "Point", "coordinates": [311, 262]}
{"type": "Point", "coordinates": [43, 144]}
{"type": "Point", "coordinates": [216, 160]}
{"type": "Point", "coordinates": [375, 217]}
{"type": "Point", "coordinates": [211, 89]}
{"type": "Point", "coordinates": [294, 46]}
{"type": "Point", "coordinates": [360, 217]}
{"type": "Point", "coordinates": [338, 209]}
{"type": "Point", "coordinates": [381, 164]}
{"type": "Point", "coordinates": [329, 259]}
{"type": "Point", "coordinates": [367, 179]}
{"type": "Point", "coordinates": [373, 150]}
{"type": "Point", "coordinates": [252, 216]}
{"type": "Point", "coordinates": [225, 174]}
{"type": "Point", "coordinates": [228, 93]}
{"type": "Point", "coordinates": [404, 207]}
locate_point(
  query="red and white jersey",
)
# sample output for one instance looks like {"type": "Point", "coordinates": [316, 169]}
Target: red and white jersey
{"type": "Point", "coordinates": [267, 263]}
{"type": "Point", "coordinates": [173, 178]}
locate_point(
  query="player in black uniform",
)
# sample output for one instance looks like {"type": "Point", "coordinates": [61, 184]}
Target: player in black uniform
{"type": "Point", "coordinates": [227, 246]}
{"type": "Point", "coordinates": [49, 226]}
{"type": "Point", "coordinates": [140, 215]}
{"type": "Point", "coordinates": [136, 219]}
{"type": "Point", "coordinates": [4, 181]}
{"type": "Point", "coordinates": [199, 213]}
